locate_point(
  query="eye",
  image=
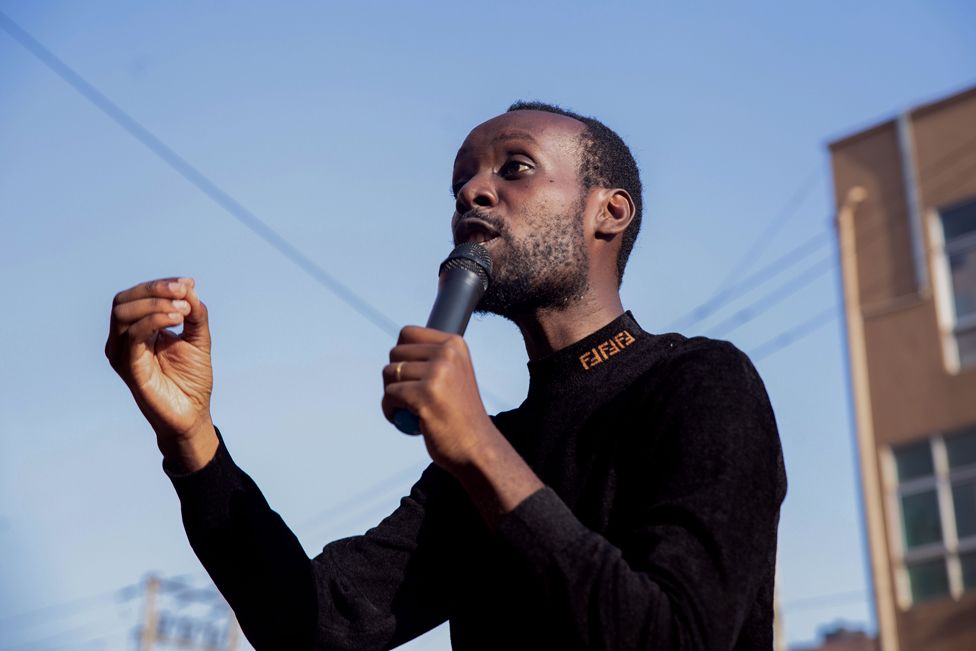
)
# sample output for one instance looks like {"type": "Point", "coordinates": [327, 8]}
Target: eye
{"type": "Point", "coordinates": [514, 168]}
{"type": "Point", "coordinates": [456, 187]}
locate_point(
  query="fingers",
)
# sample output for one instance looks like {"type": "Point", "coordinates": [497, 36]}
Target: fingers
{"type": "Point", "coordinates": [418, 335]}
{"type": "Point", "coordinates": [143, 330]}
{"type": "Point", "coordinates": [411, 362]}
{"type": "Point", "coordinates": [417, 343]}
{"type": "Point", "coordinates": [124, 315]}
{"type": "Point", "coordinates": [401, 395]}
{"type": "Point", "coordinates": [413, 352]}
{"type": "Point", "coordinates": [196, 329]}
{"type": "Point", "coordinates": [152, 305]}
{"type": "Point", "coordinates": [162, 288]}
{"type": "Point", "coordinates": [404, 371]}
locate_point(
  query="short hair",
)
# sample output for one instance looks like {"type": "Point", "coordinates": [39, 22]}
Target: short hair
{"type": "Point", "coordinates": [606, 162]}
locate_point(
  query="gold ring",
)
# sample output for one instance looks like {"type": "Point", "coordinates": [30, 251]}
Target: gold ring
{"type": "Point", "coordinates": [396, 370]}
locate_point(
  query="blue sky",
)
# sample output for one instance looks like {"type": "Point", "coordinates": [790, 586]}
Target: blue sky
{"type": "Point", "coordinates": [337, 126]}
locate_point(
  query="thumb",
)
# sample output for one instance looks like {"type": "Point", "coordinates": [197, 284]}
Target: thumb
{"type": "Point", "coordinates": [196, 328]}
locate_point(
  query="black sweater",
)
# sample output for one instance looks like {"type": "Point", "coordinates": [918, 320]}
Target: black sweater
{"type": "Point", "coordinates": [656, 529]}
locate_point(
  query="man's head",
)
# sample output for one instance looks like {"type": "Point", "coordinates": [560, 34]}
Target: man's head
{"type": "Point", "coordinates": [605, 162]}
{"type": "Point", "coordinates": [558, 195]}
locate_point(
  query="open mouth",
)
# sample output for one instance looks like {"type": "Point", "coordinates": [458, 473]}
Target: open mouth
{"type": "Point", "coordinates": [472, 230]}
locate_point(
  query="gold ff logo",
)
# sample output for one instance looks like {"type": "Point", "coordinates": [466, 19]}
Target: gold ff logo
{"type": "Point", "coordinates": [606, 350]}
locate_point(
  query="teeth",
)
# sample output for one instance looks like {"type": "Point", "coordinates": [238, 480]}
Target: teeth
{"type": "Point", "coordinates": [476, 234]}
{"type": "Point", "coordinates": [479, 237]}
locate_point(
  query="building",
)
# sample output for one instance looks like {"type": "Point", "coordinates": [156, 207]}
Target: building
{"type": "Point", "coordinates": [906, 219]}
{"type": "Point", "coordinates": [841, 638]}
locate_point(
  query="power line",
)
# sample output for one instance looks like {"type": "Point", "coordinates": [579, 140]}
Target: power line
{"type": "Point", "coordinates": [80, 644]}
{"type": "Point", "coordinates": [811, 273]}
{"type": "Point", "coordinates": [47, 639]}
{"type": "Point", "coordinates": [198, 179]}
{"type": "Point", "coordinates": [812, 324]}
{"type": "Point", "coordinates": [794, 334]}
{"type": "Point", "coordinates": [807, 247]}
{"type": "Point", "coordinates": [807, 327]}
{"type": "Point", "coordinates": [316, 271]}
{"type": "Point", "coordinates": [56, 638]}
{"type": "Point", "coordinates": [764, 303]}
{"type": "Point", "coordinates": [349, 296]}
{"type": "Point", "coordinates": [356, 500]}
{"type": "Point", "coordinates": [231, 205]}
{"type": "Point", "coordinates": [765, 237]}
{"type": "Point", "coordinates": [203, 183]}
{"type": "Point", "coordinates": [177, 585]}
{"type": "Point", "coordinates": [223, 199]}
{"type": "Point", "coordinates": [753, 280]}
{"type": "Point", "coordinates": [356, 518]}
{"type": "Point", "coordinates": [72, 606]}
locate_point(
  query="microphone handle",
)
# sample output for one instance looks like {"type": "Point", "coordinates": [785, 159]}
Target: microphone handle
{"type": "Point", "coordinates": [457, 297]}
{"type": "Point", "coordinates": [459, 292]}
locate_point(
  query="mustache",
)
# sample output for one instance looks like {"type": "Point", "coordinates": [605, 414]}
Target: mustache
{"type": "Point", "coordinates": [494, 222]}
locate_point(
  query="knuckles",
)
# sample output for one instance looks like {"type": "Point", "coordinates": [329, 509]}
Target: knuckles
{"type": "Point", "coordinates": [408, 334]}
{"type": "Point", "coordinates": [457, 346]}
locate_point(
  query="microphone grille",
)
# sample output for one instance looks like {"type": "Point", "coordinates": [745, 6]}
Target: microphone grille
{"type": "Point", "coordinates": [470, 256]}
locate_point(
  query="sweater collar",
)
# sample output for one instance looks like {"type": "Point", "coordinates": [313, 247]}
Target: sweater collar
{"type": "Point", "coordinates": [593, 363]}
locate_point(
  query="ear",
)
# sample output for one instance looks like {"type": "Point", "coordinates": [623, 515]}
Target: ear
{"type": "Point", "coordinates": [617, 211]}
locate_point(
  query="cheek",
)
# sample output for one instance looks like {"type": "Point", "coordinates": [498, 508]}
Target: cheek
{"type": "Point", "coordinates": [546, 197]}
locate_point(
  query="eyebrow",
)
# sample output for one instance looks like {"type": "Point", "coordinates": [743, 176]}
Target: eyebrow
{"type": "Point", "coordinates": [504, 136]}
{"type": "Point", "coordinates": [513, 134]}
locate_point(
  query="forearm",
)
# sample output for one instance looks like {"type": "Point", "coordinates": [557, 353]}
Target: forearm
{"type": "Point", "coordinates": [496, 478]}
{"type": "Point", "coordinates": [604, 602]}
{"type": "Point", "coordinates": [356, 594]}
{"type": "Point", "coordinates": [600, 599]}
{"type": "Point", "coordinates": [253, 558]}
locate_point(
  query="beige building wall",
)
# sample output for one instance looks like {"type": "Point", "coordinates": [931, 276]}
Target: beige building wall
{"type": "Point", "coordinates": [906, 386]}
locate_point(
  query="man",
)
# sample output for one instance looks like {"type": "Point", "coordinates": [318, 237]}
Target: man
{"type": "Point", "coordinates": [631, 502]}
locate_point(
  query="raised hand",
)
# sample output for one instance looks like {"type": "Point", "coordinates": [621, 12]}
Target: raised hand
{"type": "Point", "coordinates": [170, 376]}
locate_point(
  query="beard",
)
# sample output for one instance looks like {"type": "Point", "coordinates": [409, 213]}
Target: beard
{"type": "Point", "coordinates": [545, 270]}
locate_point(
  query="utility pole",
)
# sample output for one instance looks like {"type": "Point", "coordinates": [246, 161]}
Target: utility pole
{"type": "Point", "coordinates": [233, 632]}
{"type": "Point", "coordinates": [779, 639]}
{"type": "Point", "coordinates": [189, 618]}
{"type": "Point", "coordinates": [147, 639]}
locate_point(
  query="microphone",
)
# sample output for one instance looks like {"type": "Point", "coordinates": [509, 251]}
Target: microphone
{"type": "Point", "coordinates": [464, 277]}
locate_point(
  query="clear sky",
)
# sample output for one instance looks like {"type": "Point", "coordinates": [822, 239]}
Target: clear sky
{"type": "Point", "coordinates": [337, 126]}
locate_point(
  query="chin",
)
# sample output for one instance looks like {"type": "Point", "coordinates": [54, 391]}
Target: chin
{"type": "Point", "coordinates": [520, 300]}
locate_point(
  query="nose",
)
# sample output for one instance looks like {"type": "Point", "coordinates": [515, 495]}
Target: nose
{"type": "Point", "coordinates": [477, 192]}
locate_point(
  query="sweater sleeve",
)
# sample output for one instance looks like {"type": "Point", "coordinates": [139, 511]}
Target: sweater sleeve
{"type": "Point", "coordinates": [699, 492]}
{"type": "Point", "coordinates": [362, 592]}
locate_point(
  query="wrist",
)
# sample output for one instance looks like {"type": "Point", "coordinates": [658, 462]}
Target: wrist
{"type": "Point", "coordinates": [192, 451]}
{"type": "Point", "coordinates": [496, 477]}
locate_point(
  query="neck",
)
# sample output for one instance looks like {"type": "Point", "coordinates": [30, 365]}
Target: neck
{"type": "Point", "coordinates": [547, 330]}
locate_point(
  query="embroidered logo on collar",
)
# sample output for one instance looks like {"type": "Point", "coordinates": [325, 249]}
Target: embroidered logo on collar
{"type": "Point", "coordinates": [606, 350]}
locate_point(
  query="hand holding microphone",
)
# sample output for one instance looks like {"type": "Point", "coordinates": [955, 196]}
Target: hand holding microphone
{"type": "Point", "coordinates": [429, 384]}
{"type": "Point", "coordinates": [464, 278]}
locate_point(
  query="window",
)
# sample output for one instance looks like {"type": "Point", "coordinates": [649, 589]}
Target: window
{"type": "Point", "coordinates": [934, 495]}
{"type": "Point", "coordinates": [959, 244]}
